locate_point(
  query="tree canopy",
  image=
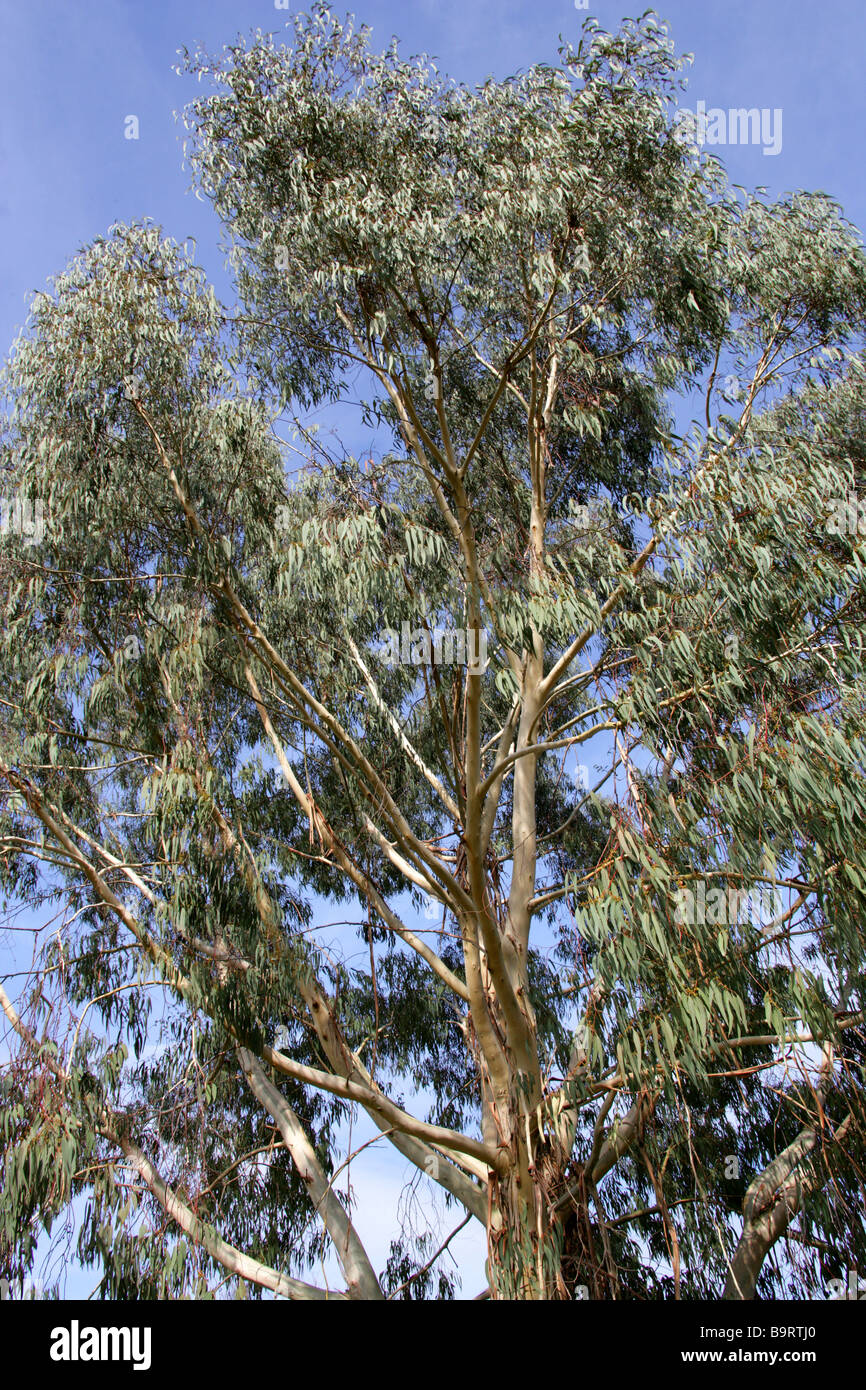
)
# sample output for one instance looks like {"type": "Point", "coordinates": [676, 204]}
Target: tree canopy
{"type": "Point", "coordinates": [602, 978]}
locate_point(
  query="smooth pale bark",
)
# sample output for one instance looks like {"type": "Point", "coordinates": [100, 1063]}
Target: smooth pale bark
{"type": "Point", "coordinates": [423, 1155]}
{"type": "Point", "coordinates": [345, 1063]}
{"type": "Point", "coordinates": [620, 1139]}
{"type": "Point", "coordinates": [231, 1259]}
{"type": "Point", "coordinates": [354, 1261]}
{"type": "Point", "coordinates": [112, 1126]}
{"type": "Point", "coordinates": [772, 1201]}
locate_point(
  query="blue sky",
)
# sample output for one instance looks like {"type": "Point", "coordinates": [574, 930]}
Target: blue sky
{"type": "Point", "coordinates": [70, 75]}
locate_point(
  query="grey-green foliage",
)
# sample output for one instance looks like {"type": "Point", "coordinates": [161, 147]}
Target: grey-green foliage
{"type": "Point", "coordinates": [524, 274]}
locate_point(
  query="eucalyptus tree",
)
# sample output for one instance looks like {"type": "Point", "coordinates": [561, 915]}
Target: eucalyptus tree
{"type": "Point", "coordinates": [565, 706]}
